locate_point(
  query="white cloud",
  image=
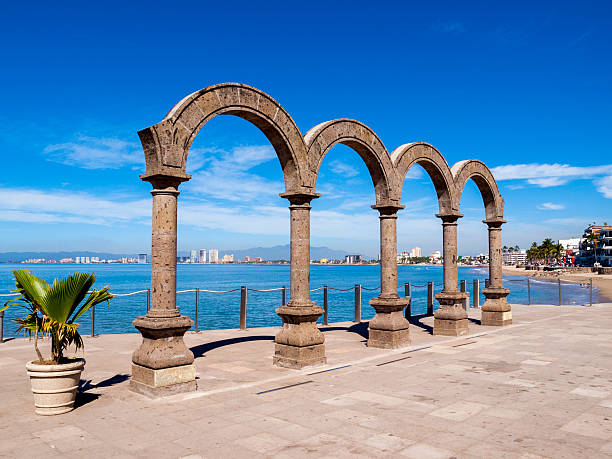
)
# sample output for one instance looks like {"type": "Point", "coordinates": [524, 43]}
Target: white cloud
{"type": "Point", "coordinates": [97, 153]}
{"type": "Point", "coordinates": [551, 206]}
{"type": "Point", "coordinates": [604, 186]}
{"type": "Point", "coordinates": [341, 168]}
{"type": "Point", "coordinates": [31, 205]}
{"type": "Point", "coordinates": [550, 175]}
{"type": "Point", "coordinates": [227, 174]}
{"type": "Point", "coordinates": [538, 171]}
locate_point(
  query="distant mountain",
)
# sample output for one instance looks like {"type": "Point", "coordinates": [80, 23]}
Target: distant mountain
{"type": "Point", "coordinates": [281, 252]}
{"type": "Point", "coordinates": [16, 257]}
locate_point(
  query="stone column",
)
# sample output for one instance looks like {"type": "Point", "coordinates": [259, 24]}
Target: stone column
{"type": "Point", "coordinates": [389, 329]}
{"type": "Point", "coordinates": [450, 318]}
{"type": "Point", "coordinates": [163, 364]}
{"type": "Point", "coordinates": [299, 343]}
{"type": "Point", "coordinates": [496, 309]}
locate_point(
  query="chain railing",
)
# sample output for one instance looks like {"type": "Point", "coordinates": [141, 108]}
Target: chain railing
{"type": "Point", "coordinates": [356, 289]}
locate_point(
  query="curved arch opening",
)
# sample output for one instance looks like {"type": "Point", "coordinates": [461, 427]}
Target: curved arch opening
{"type": "Point", "coordinates": [343, 221]}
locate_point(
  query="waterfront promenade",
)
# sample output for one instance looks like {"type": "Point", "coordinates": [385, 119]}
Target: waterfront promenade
{"type": "Point", "coordinates": [541, 387]}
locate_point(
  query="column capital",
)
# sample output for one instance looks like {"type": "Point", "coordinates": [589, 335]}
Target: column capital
{"type": "Point", "coordinates": [164, 181]}
{"type": "Point", "coordinates": [450, 217]}
{"type": "Point", "coordinates": [494, 223]}
{"type": "Point", "coordinates": [388, 210]}
{"type": "Point", "coordinates": [300, 198]}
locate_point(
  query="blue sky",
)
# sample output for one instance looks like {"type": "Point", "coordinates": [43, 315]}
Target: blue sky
{"type": "Point", "coordinates": [524, 87]}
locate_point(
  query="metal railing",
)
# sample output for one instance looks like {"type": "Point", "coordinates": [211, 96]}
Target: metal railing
{"type": "Point", "coordinates": [356, 289]}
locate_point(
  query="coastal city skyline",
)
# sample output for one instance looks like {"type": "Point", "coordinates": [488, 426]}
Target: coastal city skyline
{"type": "Point", "coordinates": [84, 157]}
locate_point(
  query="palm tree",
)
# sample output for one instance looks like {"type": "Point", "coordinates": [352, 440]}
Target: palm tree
{"type": "Point", "coordinates": [547, 248]}
{"type": "Point", "coordinates": [54, 310]}
{"type": "Point", "coordinates": [593, 238]}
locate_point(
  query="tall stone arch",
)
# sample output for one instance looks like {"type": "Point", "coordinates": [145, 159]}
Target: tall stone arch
{"type": "Point", "coordinates": [163, 364]}
{"type": "Point", "coordinates": [496, 310]}
{"type": "Point", "coordinates": [450, 318]}
{"type": "Point", "coordinates": [388, 328]}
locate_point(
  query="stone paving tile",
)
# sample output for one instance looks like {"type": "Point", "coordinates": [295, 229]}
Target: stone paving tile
{"type": "Point", "coordinates": [586, 392]}
{"type": "Point", "coordinates": [591, 425]}
{"type": "Point", "coordinates": [459, 411]}
{"type": "Point", "coordinates": [425, 451]}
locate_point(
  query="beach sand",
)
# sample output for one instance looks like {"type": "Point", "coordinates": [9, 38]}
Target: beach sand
{"type": "Point", "coordinates": [602, 281]}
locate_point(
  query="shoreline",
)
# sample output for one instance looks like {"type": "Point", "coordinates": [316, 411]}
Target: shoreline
{"type": "Point", "coordinates": [602, 281]}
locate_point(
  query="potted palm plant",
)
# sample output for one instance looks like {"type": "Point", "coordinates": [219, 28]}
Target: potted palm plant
{"type": "Point", "coordinates": [52, 312]}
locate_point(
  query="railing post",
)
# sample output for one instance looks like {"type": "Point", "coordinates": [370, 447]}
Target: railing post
{"type": "Point", "coordinates": [1, 326]}
{"type": "Point", "coordinates": [476, 293]}
{"type": "Point", "coordinates": [243, 307]}
{"type": "Point", "coordinates": [93, 320]}
{"type": "Point", "coordinates": [528, 291]}
{"type": "Point", "coordinates": [284, 295]}
{"type": "Point", "coordinates": [466, 300]}
{"type": "Point", "coordinates": [408, 310]}
{"type": "Point", "coordinates": [591, 293]}
{"type": "Point", "coordinates": [148, 299]}
{"type": "Point", "coordinates": [357, 303]}
{"type": "Point", "coordinates": [430, 298]}
{"type": "Point", "coordinates": [325, 305]}
{"type": "Point", "coordinates": [197, 311]}
{"type": "Point", "coordinates": [560, 300]}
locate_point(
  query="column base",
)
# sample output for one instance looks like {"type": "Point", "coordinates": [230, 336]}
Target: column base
{"type": "Point", "coordinates": [163, 382]}
{"type": "Point", "coordinates": [299, 357]}
{"type": "Point", "coordinates": [451, 318]}
{"type": "Point", "coordinates": [389, 329]}
{"type": "Point", "coordinates": [299, 343]}
{"type": "Point", "coordinates": [496, 310]}
{"type": "Point", "coordinates": [497, 319]}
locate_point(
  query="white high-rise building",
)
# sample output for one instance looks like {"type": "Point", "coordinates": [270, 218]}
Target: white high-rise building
{"type": "Point", "coordinates": [228, 258]}
{"type": "Point", "coordinates": [202, 255]}
{"type": "Point", "coordinates": [86, 260]}
{"type": "Point", "coordinates": [213, 256]}
{"type": "Point", "coordinates": [77, 260]}
{"type": "Point", "coordinates": [193, 256]}
{"type": "Point", "coordinates": [415, 252]}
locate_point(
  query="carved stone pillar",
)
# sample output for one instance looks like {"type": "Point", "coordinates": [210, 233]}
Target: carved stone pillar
{"type": "Point", "coordinates": [496, 310]}
{"type": "Point", "coordinates": [389, 329]}
{"type": "Point", "coordinates": [299, 343]}
{"type": "Point", "coordinates": [163, 364]}
{"type": "Point", "coordinates": [450, 319]}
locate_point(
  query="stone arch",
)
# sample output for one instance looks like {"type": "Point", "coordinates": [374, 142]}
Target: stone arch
{"type": "Point", "coordinates": [166, 144]}
{"type": "Point", "coordinates": [321, 138]}
{"type": "Point", "coordinates": [430, 159]}
{"type": "Point", "coordinates": [482, 176]}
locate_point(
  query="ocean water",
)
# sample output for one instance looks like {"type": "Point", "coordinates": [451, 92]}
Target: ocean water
{"type": "Point", "coordinates": [222, 310]}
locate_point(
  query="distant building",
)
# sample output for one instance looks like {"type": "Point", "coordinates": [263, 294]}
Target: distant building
{"type": "Point", "coordinates": [202, 258]}
{"type": "Point", "coordinates": [87, 260]}
{"type": "Point", "coordinates": [142, 258]}
{"type": "Point", "coordinates": [415, 252]}
{"type": "Point", "coordinates": [248, 259]}
{"type": "Point", "coordinates": [193, 257]}
{"type": "Point", "coordinates": [213, 256]}
{"type": "Point", "coordinates": [228, 258]}
{"type": "Point", "coordinates": [600, 253]}
{"type": "Point", "coordinates": [435, 256]}
{"type": "Point", "coordinates": [514, 258]}
{"type": "Point", "coordinates": [77, 260]}
{"type": "Point", "coordinates": [352, 259]}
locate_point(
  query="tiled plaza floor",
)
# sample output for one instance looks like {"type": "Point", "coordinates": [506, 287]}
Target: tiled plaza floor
{"type": "Point", "coordinates": [539, 388]}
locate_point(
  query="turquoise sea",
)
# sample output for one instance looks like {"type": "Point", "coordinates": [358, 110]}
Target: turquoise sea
{"type": "Point", "coordinates": [222, 310]}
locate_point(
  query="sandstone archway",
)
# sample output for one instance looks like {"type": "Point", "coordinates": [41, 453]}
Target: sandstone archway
{"type": "Point", "coordinates": [388, 328]}
{"type": "Point", "coordinates": [495, 310]}
{"type": "Point", "coordinates": [163, 363]}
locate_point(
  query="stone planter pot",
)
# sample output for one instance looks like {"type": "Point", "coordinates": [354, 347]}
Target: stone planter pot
{"type": "Point", "coordinates": [55, 386]}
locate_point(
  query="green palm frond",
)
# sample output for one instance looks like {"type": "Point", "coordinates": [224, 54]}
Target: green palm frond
{"type": "Point", "coordinates": [66, 295]}
{"type": "Point", "coordinates": [57, 306]}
